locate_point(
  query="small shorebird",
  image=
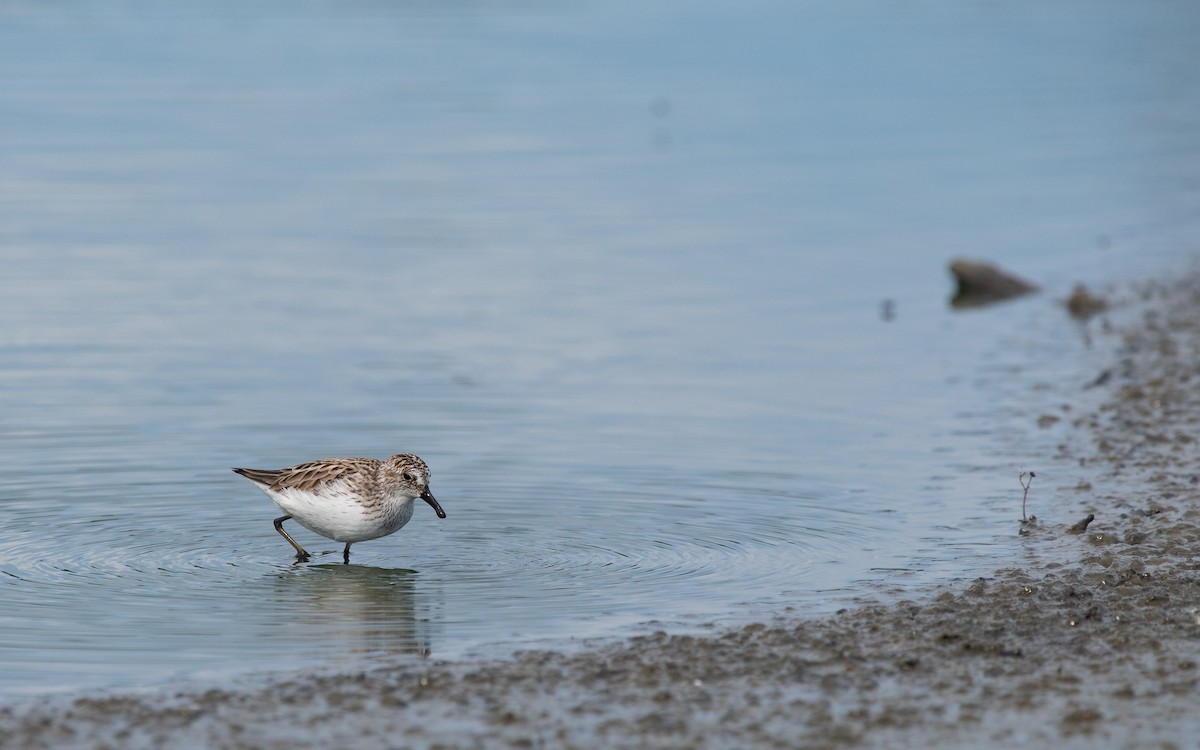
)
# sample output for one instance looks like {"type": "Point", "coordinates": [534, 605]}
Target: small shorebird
{"type": "Point", "coordinates": [346, 499]}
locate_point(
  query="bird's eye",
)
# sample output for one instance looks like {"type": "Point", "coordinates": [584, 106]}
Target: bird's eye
{"type": "Point", "coordinates": [408, 477]}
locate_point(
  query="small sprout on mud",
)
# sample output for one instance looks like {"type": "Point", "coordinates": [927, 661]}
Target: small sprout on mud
{"type": "Point", "coordinates": [1026, 479]}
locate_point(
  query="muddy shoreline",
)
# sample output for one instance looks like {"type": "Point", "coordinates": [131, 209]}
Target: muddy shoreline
{"type": "Point", "coordinates": [1103, 650]}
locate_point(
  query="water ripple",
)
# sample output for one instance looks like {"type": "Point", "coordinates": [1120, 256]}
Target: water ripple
{"type": "Point", "coordinates": [126, 571]}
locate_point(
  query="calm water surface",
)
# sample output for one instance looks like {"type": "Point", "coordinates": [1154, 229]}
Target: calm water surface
{"type": "Point", "coordinates": [614, 271]}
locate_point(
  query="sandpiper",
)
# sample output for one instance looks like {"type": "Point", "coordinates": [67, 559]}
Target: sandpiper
{"type": "Point", "coordinates": [346, 499]}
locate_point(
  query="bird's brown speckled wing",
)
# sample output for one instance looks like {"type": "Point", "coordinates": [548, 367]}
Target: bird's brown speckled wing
{"type": "Point", "coordinates": [311, 475]}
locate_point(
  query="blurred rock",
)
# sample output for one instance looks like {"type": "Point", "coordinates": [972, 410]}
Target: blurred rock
{"type": "Point", "coordinates": [982, 283]}
{"type": "Point", "coordinates": [1083, 304]}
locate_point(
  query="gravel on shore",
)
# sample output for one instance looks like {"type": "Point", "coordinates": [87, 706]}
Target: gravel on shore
{"type": "Point", "coordinates": [1102, 651]}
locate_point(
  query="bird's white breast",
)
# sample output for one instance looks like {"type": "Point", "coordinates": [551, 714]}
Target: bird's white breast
{"type": "Point", "coordinates": [335, 511]}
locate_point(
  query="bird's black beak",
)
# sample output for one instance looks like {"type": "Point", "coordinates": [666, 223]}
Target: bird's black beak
{"type": "Point", "coordinates": [428, 497]}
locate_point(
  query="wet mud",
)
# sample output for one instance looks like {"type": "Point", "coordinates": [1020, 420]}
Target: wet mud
{"type": "Point", "coordinates": [1097, 647]}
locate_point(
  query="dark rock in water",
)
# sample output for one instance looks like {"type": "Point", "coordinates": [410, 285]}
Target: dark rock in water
{"type": "Point", "coordinates": [1083, 304]}
{"type": "Point", "coordinates": [1081, 525]}
{"type": "Point", "coordinates": [981, 283]}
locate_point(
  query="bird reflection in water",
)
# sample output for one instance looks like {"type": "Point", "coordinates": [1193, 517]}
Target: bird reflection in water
{"type": "Point", "coordinates": [353, 609]}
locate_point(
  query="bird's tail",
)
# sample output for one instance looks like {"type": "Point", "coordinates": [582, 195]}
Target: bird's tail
{"type": "Point", "coordinates": [259, 476]}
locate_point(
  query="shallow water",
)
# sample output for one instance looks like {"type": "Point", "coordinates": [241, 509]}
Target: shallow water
{"type": "Point", "coordinates": [616, 273]}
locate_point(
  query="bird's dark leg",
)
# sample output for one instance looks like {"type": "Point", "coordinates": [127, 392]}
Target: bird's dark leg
{"type": "Point", "coordinates": [301, 555]}
{"type": "Point", "coordinates": [346, 554]}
